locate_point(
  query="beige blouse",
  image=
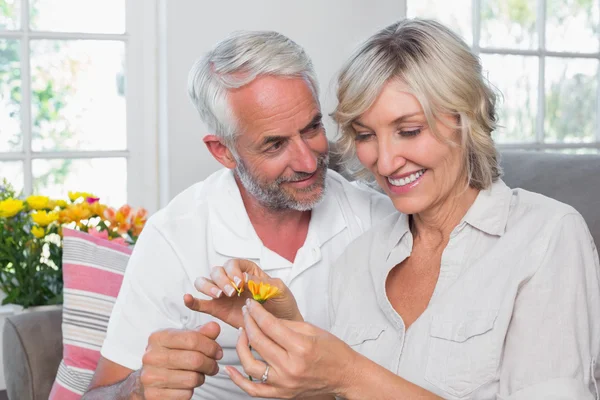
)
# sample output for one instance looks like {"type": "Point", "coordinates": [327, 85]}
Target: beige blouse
{"type": "Point", "coordinates": [515, 314]}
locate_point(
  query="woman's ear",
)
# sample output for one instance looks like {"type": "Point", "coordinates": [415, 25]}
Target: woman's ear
{"type": "Point", "coordinates": [219, 151]}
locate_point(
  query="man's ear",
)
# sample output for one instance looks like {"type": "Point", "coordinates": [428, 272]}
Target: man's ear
{"type": "Point", "coordinates": [219, 151]}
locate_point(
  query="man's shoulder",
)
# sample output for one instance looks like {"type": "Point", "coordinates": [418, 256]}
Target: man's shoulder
{"type": "Point", "coordinates": [191, 203]}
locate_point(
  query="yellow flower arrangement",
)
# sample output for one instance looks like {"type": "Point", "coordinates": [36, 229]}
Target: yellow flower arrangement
{"type": "Point", "coordinates": [31, 239]}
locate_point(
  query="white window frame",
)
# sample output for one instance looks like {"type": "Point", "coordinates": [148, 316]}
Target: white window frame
{"type": "Point", "coordinates": [141, 77]}
{"type": "Point", "coordinates": [541, 53]}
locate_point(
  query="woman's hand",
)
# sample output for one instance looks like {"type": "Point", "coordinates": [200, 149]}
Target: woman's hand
{"type": "Point", "coordinates": [226, 303]}
{"type": "Point", "coordinates": [303, 360]}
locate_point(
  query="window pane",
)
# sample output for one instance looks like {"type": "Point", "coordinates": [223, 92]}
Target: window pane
{"type": "Point", "coordinates": [454, 14]}
{"type": "Point", "coordinates": [90, 16]}
{"type": "Point", "coordinates": [509, 24]}
{"type": "Point", "coordinates": [571, 100]}
{"type": "Point", "coordinates": [12, 171]}
{"type": "Point", "coordinates": [573, 151]}
{"type": "Point", "coordinates": [10, 14]}
{"type": "Point", "coordinates": [78, 95]}
{"type": "Point", "coordinates": [104, 177]}
{"type": "Point", "coordinates": [516, 77]}
{"type": "Point", "coordinates": [10, 96]}
{"type": "Point", "coordinates": [572, 25]}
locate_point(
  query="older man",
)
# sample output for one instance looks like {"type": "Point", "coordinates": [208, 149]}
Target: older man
{"type": "Point", "coordinates": [275, 203]}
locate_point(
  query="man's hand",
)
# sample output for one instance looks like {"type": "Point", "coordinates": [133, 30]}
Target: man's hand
{"type": "Point", "coordinates": [176, 362]}
{"type": "Point", "coordinates": [226, 304]}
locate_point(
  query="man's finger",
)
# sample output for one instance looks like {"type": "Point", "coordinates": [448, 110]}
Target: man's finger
{"type": "Point", "coordinates": [202, 339]}
{"type": "Point", "coordinates": [181, 360]}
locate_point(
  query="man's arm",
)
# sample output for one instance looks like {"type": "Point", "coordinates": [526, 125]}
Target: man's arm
{"type": "Point", "coordinates": [174, 364]}
{"type": "Point", "coordinates": [113, 381]}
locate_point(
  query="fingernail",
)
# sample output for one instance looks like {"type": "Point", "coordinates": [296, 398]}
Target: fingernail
{"type": "Point", "coordinates": [237, 281]}
{"type": "Point", "coordinates": [199, 282]}
{"type": "Point", "coordinates": [246, 277]}
{"type": "Point", "coordinates": [227, 371]}
{"type": "Point", "coordinates": [219, 354]}
{"type": "Point", "coordinates": [240, 331]}
{"type": "Point", "coordinates": [216, 292]}
{"type": "Point", "coordinates": [248, 302]}
{"type": "Point", "coordinates": [244, 310]}
{"type": "Point", "coordinates": [229, 290]}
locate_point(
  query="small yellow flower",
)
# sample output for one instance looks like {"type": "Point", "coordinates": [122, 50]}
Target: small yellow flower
{"type": "Point", "coordinates": [262, 292]}
{"type": "Point", "coordinates": [74, 195]}
{"type": "Point", "coordinates": [43, 218]}
{"type": "Point", "coordinates": [38, 202]}
{"type": "Point", "coordinates": [10, 207]}
{"type": "Point", "coordinates": [38, 232]}
{"type": "Point", "coordinates": [60, 203]}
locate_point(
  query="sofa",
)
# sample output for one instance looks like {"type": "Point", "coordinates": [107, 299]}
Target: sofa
{"type": "Point", "coordinates": [32, 343]}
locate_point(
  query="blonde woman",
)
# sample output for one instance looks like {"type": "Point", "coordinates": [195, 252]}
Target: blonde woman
{"type": "Point", "coordinates": [472, 290]}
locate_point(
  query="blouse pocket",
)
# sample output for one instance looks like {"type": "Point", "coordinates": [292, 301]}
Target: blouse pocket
{"type": "Point", "coordinates": [364, 339]}
{"type": "Point", "coordinates": [463, 352]}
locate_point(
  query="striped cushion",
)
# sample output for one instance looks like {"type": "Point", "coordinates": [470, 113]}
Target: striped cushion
{"type": "Point", "coordinates": [93, 271]}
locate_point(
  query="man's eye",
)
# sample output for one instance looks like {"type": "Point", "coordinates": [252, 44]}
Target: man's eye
{"type": "Point", "coordinates": [275, 146]}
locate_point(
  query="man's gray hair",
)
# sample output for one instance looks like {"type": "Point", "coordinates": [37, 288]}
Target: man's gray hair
{"type": "Point", "coordinates": [237, 61]}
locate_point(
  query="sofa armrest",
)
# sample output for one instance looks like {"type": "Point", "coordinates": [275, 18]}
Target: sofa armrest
{"type": "Point", "coordinates": [32, 350]}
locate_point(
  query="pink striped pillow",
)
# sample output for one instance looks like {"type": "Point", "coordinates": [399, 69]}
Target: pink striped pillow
{"type": "Point", "coordinates": [93, 271]}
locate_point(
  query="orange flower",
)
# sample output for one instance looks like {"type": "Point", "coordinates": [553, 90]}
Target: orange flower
{"type": "Point", "coordinates": [123, 214]}
{"type": "Point", "coordinates": [262, 292]}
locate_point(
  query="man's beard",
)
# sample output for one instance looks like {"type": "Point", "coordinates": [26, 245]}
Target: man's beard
{"type": "Point", "coordinates": [274, 197]}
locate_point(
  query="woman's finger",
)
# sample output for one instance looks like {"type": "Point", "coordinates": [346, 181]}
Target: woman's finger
{"type": "Point", "coordinates": [253, 388]}
{"type": "Point", "coordinates": [270, 351]}
{"type": "Point", "coordinates": [273, 330]}
{"type": "Point", "coordinates": [251, 365]}
{"type": "Point", "coordinates": [224, 282]}
{"type": "Point", "coordinates": [207, 287]}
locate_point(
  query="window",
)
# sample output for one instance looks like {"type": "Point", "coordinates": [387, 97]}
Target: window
{"type": "Point", "coordinates": [542, 55]}
{"type": "Point", "coordinates": [77, 84]}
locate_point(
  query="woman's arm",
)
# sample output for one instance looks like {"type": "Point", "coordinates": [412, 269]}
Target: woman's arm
{"type": "Point", "coordinates": [553, 342]}
{"type": "Point", "coordinates": [307, 361]}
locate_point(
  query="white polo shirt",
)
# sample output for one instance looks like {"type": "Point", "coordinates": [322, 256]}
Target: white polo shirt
{"type": "Point", "coordinates": [203, 227]}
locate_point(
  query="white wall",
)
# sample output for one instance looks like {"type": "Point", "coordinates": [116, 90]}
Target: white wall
{"type": "Point", "coordinates": [328, 29]}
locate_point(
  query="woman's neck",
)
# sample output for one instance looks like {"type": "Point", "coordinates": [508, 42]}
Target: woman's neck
{"type": "Point", "coordinates": [434, 226]}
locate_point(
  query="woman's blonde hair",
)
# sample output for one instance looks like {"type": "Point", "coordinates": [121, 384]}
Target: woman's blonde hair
{"type": "Point", "coordinates": [441, 72]}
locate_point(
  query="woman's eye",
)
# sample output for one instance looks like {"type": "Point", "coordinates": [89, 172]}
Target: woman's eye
{"type": "Point", "coordinates": [409, 133]}
{"type": "Point", "coordinates": [362, 137]}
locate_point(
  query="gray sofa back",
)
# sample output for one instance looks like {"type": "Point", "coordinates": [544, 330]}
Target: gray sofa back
{"type": "Point", "coordinates": [571, 179]}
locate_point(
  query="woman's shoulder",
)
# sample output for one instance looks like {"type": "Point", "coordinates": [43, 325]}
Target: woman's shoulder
{"type": "Point", "coordinates": [528, 207]}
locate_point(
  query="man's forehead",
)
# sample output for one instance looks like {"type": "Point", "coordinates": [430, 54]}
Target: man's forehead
{"type": "Point", "coordinates": [274, 105]}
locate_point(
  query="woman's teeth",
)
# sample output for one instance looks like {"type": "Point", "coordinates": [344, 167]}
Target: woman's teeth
{"type": "Point", "coordinates": [407, 180]}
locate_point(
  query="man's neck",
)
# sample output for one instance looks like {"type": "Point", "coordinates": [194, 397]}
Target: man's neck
{"type": "Point", "coordinates": [282, 231]}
